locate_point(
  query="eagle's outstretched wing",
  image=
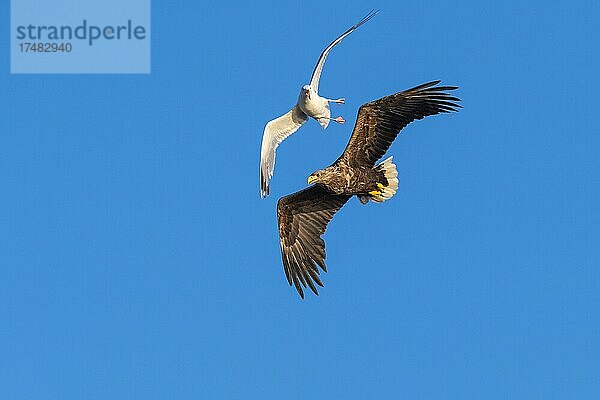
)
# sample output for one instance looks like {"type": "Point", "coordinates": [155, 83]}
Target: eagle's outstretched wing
{"type": "Point", "coordinates": [379, 122]}
{"type": "Point", "coordinates": [275, 132]}
{"type": "Point", "coordinates": [303, 218]}
{"type": "Point", "coordinates": [316, 75]}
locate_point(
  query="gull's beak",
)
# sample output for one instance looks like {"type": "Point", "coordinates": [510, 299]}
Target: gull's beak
{"type": "Point", "coordinates": [311, 179]}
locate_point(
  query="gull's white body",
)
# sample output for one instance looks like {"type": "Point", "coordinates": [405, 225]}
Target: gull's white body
{"type": "Point", "coordinates": [309, 104]}
{"type": "Point", "coordinates": [315, 107]}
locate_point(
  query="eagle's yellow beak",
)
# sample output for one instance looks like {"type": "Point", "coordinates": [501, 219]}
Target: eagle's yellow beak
{"type": "Point", "coordinates": [311, 179]}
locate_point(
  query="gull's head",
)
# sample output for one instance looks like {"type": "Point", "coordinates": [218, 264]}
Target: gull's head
{"type": "Point", "coordinates": [305, 92]}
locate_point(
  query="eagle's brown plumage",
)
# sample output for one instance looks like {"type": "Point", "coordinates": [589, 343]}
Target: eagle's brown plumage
{"type": "Point", "coordinates": [304, 215]}
{"type": "Point", "coordinates": [303, 218]}
{"type": "Point", "coordinates": [379, 122]}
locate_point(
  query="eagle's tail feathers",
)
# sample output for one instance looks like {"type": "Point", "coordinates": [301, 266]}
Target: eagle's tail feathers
{"type": "Point", "coordinates": [385, 192]}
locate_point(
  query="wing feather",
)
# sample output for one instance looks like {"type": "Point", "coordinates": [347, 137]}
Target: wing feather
{"type": "Point", "coordinates": [380, 121]}
{"type": "Point", "coordinates": [316, 75]}
{"type": "Point", "coordinates": [303, 218]}
{"type": "Point", "coordinates": [276, 131]}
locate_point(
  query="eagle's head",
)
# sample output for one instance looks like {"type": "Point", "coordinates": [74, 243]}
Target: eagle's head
{"type": "Point", "coordinates": [320, 176]}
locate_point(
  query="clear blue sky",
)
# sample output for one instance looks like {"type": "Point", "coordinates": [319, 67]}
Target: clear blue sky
{"type": "Point", "coordinates": [137, 260]}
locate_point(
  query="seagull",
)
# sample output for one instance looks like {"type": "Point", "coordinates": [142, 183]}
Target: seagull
{"type": "Point", "coordinates": [309, 104]}
{"type": "Point", "coordinates": [303, 216]}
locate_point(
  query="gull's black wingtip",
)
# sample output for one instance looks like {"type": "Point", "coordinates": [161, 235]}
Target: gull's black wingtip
{"type": "Point", "coordinates": [367, 17]}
